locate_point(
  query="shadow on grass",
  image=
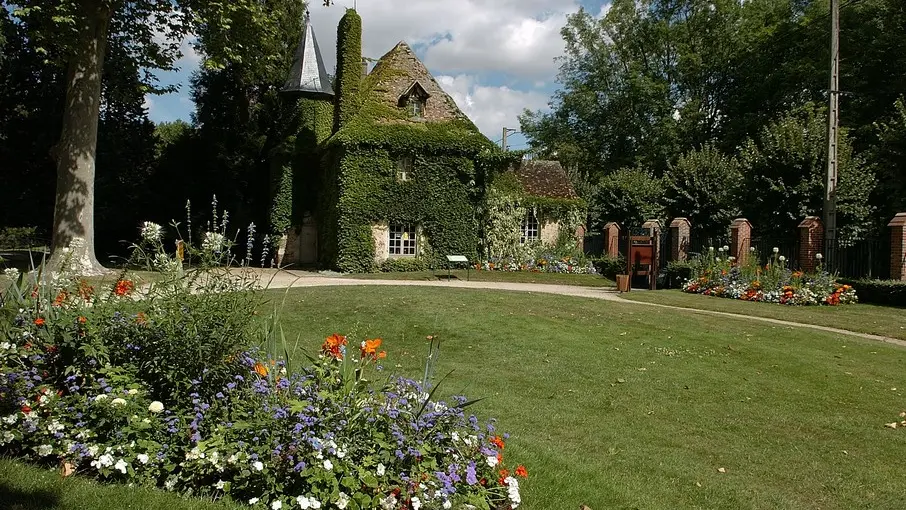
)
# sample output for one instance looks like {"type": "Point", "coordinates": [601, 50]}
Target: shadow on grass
{"type": "Point", "coordinates": [37, 499]}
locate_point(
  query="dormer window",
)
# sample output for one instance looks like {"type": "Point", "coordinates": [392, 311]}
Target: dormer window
{"type": "Point", "coordinates": [415, 100]}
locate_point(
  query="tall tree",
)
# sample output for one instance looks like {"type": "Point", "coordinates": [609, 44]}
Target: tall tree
{"type": "Point", "coordinates": [149, 32]}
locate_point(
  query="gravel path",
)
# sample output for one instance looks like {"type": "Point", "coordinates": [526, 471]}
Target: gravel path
{"type": "Point", "coordinates": [294, 279]}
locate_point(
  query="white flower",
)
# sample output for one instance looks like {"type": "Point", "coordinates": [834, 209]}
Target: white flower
{"type": "Point", "coordinates": [277, 505]}
{"type": "Point", "coordinates": [343, 500]}
{"type": "Point", "coordinates": [257, 465]}
{"type": "Point", "coordinates": [752, 249]}
{"type": "Point", "coordinates": [381, 469]}
{"type": "Point", "coordinates": [146, 420]}
{"type": "Point", "coordinates": [44, 450]}
{"type": "Point", "coordinates": [304, 503]}
{"type": "Point", "coordinates": [341, 453]}
{"type": "Point", "coordinates": [416, 503]}
{"type": "Point", "coordinates": [151, 232]}
{"type": "Point", "coordinates": [133, 391]}
{"type": "Point", "coordinates": [448, 504]}
{"type": "Point", "coordinates": [782, 258]}
{"type": "Point", "coordinates": [253, 501]}
{"type": "Point", "coordinates": [118, 402]}
{"type": "Point", "coordinates": [5, 345]}
{"type": "Point", "coordinates": [11, 273]}
{"type": "Point", "coordinates": [819, 256]}
{"type": "Point", "coordinates": [677, 115]}
{"type": "Point", "coordinates": [328, 465]}
{"type": "Point", "coordinates": [726, 248]}
{"type": "Point", "coordinates": [717, 259]}
{"type": "Point", "coordinates": [156, 407]}
{"type": "Point", "coordinates": [121, 466]}
{"type": "Point", "coordinates": [492, 460]}
{"type": "Point", "coordinates": [100, 397]}
{"type": "Point", "coordinates": [141, 457]}
{"type": "Point", "coordinates": [710, 248]}
{"type": "Point", "coordinates": [731, 259]}
{"type": "Point", "coordinates": [512, 488]}
{"type": "Point", "coordinates": [212, 242]}
{"type": "Point", "coordinates": [776, 250]}
{"type": "Point", "coordinates": [219, 485]}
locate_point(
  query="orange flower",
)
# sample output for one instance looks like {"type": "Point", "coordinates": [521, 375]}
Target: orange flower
{"type": "Point", "coordinates": [61, 297]}
{"type": "Point", "coordinates": [39, 321]}
{"type": "Point", "coordinates": [141, 318]}
{"type": "Point", "coordinates": [260, 369]}
{"type": "Point", "coordinates": [497, 441]}
{"type": "Point", "coordinates": [85, 290]}
{"type": "Point", "coordinates": [382, 355]}
{"type": "Point", "coordinates": [504, 473]}
{"type": "Point", "coordinates": [83, 320]}
{"type": "Point", "coordinates": [370, 347]}
{"type": "Point", "coordinates": [123, 287]}
{"type": "Point", "coordinates": [333, 345]}
{"type": "Point", "coordinates": [521, 471]}
{"type": "Point", "coordinates": [499, 458]}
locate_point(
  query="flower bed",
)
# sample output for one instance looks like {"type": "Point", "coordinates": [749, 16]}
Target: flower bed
{"type": "Point", "coordinates": [157, 386]}
{"type": "Point", "coordinates": [721, 275]}
{"type": "Point", "coordinates": [568, 265]}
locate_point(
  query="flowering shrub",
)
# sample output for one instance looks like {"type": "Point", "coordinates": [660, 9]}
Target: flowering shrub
{"type": "Point", "coordinates": [571, 265]}
{"type": "Point", "coordinates": [136, 384]}
{"type": "Point", "coordinates": [722, 276]}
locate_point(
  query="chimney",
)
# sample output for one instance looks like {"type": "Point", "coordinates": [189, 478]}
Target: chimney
{"type": "Point", "coordinates": [349, 66]}
{"type": "Point", "coordinates": [364, 68]}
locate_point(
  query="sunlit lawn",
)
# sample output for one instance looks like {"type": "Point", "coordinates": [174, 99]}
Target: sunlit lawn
{"type": "Point", "coordinates": [614, 405]}
{"type": "Point", "coordinates": [861, 318]}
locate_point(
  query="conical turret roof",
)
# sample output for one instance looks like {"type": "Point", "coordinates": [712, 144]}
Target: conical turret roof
{"type": "Point", "coordinates": [308, 75]}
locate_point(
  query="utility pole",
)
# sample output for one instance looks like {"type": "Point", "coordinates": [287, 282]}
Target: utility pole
{"type": "Point", "coordinates": [830, 188]}
{"type": "Point", "coordinates": [506, 132]}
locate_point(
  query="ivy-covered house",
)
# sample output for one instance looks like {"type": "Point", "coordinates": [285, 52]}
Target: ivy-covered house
{"type": "Point", "coordinates": [386, 165]}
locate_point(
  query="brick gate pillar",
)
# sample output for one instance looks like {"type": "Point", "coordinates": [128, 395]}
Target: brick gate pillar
{"type": "Point", "coordinates": [811, 242]}
{"type": "Point", "coordinates": [680, 229]}
{"type": "Point", "coordinates": [740, 239]}
{"type": "Point", "coordinates": [612, 239]}
{"type": "Point", "coordinates": [653, 227]}
{"type": "Point", "coordinates": [898, 247]}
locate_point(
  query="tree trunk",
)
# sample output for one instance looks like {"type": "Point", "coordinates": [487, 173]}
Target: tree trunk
{"type": "Point", "coordinates": [73, 218]}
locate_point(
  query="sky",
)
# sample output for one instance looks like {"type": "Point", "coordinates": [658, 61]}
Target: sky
{"type": "Point", "coordinates": [494, 57]}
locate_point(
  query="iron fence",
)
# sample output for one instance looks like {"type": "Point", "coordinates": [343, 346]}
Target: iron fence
{"type": "Point", "coordinates": [864, 258]}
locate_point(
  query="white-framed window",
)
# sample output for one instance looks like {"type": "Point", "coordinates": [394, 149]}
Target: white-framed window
{"type": "Point", "coordinates": [403, 240]}
{"type": "Point", "coordinates": [529, 228]}
{"type": "Point", "coordinates": [404, 169]}
{"type": "Point", "coordinates": [416, 106]}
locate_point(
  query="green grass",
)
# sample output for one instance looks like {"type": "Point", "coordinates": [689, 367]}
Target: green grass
{"type": "Point", "coordinates": [586, 280]}
{"type": "Point", "coordinates": [619, 406]}
{"type": "Point", "coordinates": [25, 487]}
{"type": "Point", "coordinates": [872, 319]}
{"type": "Point", "coordinates": [614, 405]}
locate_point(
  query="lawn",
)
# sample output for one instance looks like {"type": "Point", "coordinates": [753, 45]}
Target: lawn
{"type": "Point", "coordinates": [24, 487]}
{"type": "Point", "coordinates": [586, 280]}
{"type": "Point", "coordinates": [861, 318]}
{"type": "Point", "coordinates": [614, 405]}
{"type": "Point", "coordinates": [618, 406]}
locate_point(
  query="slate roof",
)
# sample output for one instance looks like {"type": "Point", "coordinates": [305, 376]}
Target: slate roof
{"type": "Point", "coordinates": [308, 75]}
{"type": "Point", "coordinates": [545, 179]}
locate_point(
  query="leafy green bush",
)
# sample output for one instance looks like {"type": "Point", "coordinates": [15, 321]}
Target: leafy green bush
{"type": "Point", "coordinates": [677, 272]}
{"type": "Point", "coordinates": [880, 292]}
{"type": "Point", "coordinates": [610, 267]}
{"type": "Point", "coordinates": [403, 265]}
{"type": "Point", "coordinates": [19, 238]}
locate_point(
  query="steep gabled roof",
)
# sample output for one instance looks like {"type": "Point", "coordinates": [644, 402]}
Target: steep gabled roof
{"type": "Point", "coordinates": [308, 75]}
{"type": "Point", "coordinates": [545, 179]}
{"type": "Point", "coordinates": [397, 72]}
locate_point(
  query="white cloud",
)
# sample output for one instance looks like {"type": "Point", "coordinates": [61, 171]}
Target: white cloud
{"type": "Point", "coordinates": [518, 37]}
{"type": "Point", "coordinates": [490, 108]}
{"type": "Point", "coordinates": [148, 104]}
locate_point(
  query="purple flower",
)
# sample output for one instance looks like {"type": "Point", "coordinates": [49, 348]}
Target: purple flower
{"type": "Point", "coordinates": [471, 479]}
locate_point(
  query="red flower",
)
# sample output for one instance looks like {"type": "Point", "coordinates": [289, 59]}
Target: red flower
{"type": "Point", "coordinates": [83, 320]}
{"type": "Point", "coordinates": [26, 409]}
{"type": "Point", "coordinates": [123, 287]}
{"type": "Point", "coordinates": [521, 471]}
{"type": "Point", "coordinates": [333, 345]}
{"type": "Point", "coordinates": [39, 321]}
{"type": "Point", "coordinates": [504, 473]}
{"type": "Point", "coordinates": [497, 441]}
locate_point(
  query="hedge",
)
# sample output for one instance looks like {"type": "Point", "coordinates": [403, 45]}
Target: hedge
{"type": "Point", "coordinates": [879, 292]}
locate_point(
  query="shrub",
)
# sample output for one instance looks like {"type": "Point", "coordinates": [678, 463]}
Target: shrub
{"type": "Point", "coordinates": [403, 265]}
{"type": "Point", "coordinates": [679, 271]}
{"type": "Point", "coordinates": [136, 385]}
{"type": "Point", "coordinates": [880, 292]}
{"type": "Point", "coordinates": [610, 267]}
{"type": "Point", "coordinates": [19, 238]}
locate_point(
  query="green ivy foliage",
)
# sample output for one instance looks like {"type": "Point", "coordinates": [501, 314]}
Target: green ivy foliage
{"type": "Point", "coordinates": [349, 66]}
